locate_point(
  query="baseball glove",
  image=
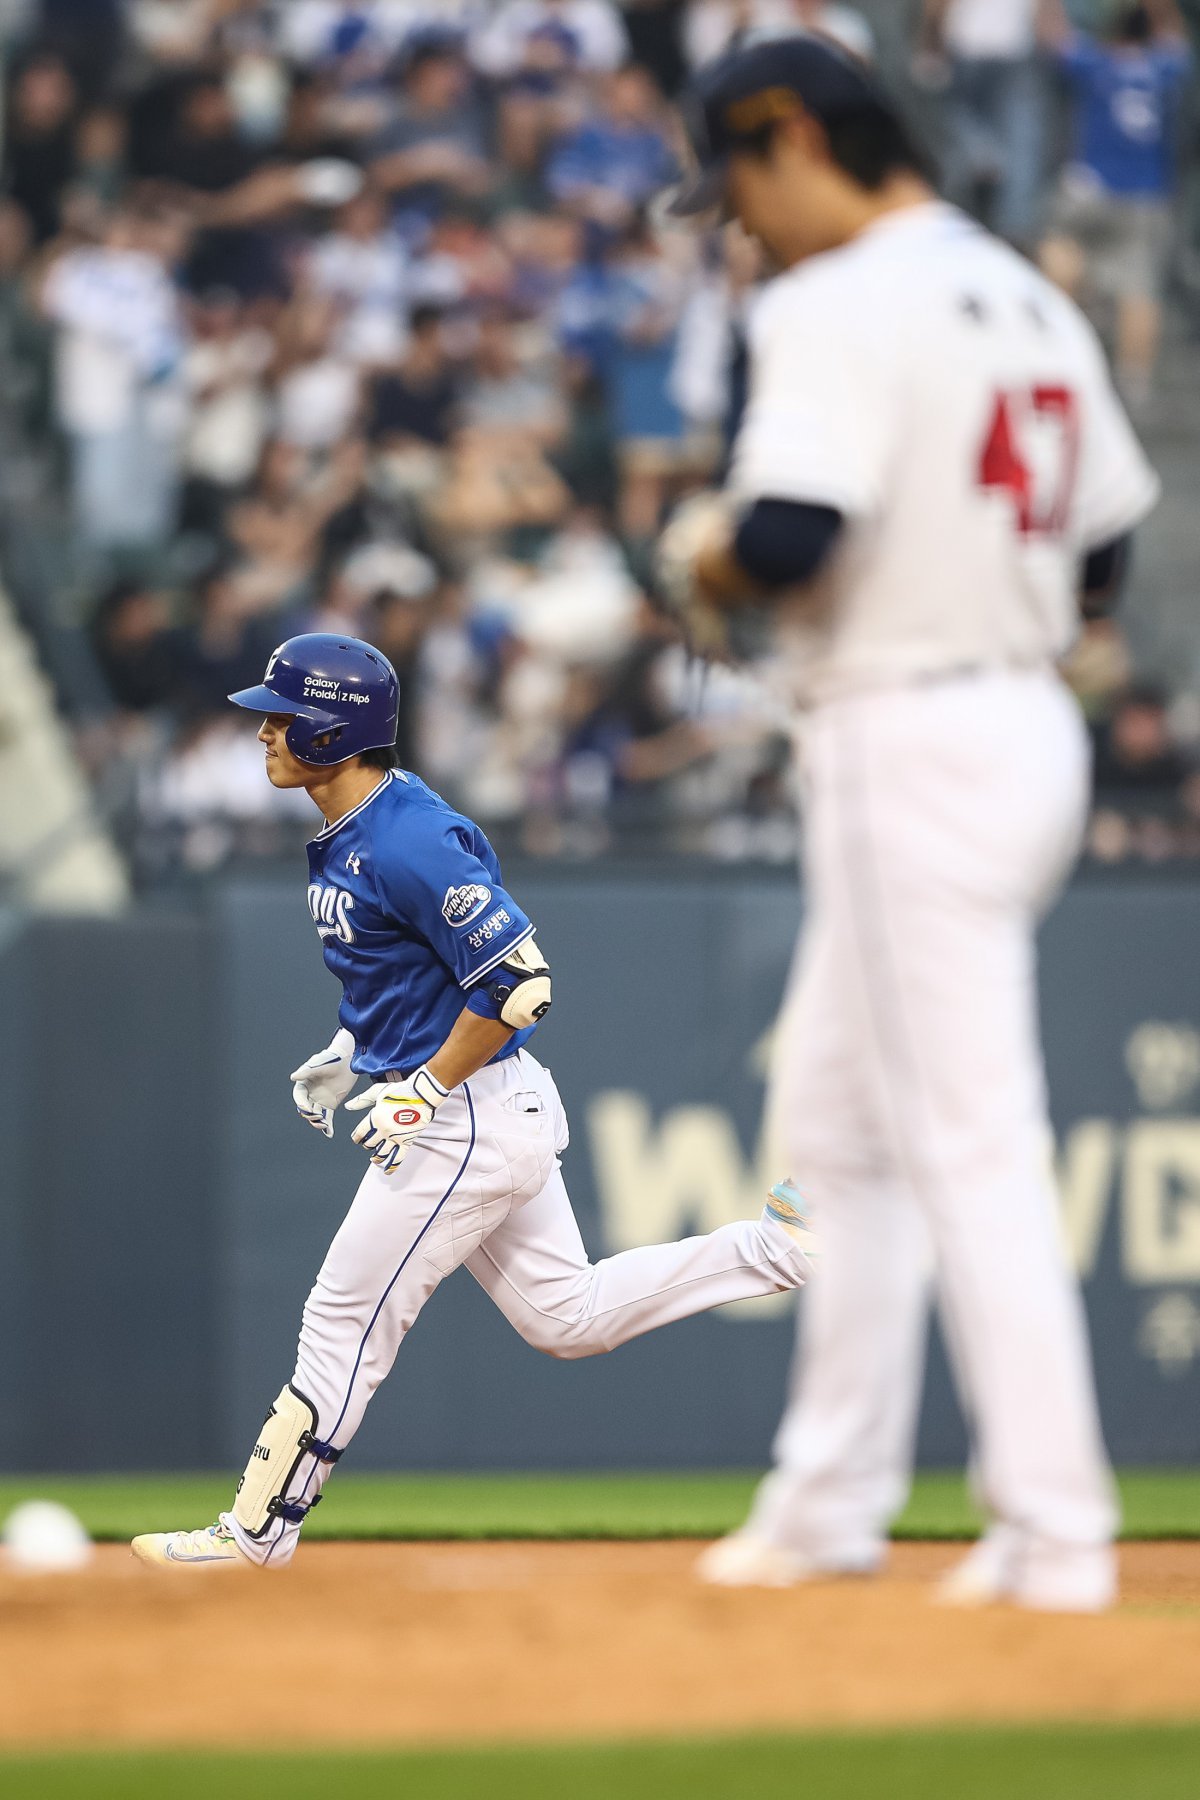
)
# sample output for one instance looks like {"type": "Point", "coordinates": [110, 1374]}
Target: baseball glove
{"type": "Point", "coordinates": [696, 523]}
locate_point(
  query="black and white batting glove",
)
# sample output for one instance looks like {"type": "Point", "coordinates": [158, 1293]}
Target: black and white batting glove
{"type": "Point", "coordinates": [399, 1113]}
{"type": "Point", "coordinates": [323, 1082]}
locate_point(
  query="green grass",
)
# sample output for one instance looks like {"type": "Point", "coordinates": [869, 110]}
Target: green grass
{"type": "Point", "coordinates": [1157, 1503]}
{"type": "Point", "coordinates": [1077, 1763]}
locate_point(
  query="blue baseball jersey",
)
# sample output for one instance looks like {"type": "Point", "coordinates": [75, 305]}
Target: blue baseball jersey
{"type": "Point", "coordinates": [407, 898]}
{"type": "Point", "coordinates": [1128, 105]}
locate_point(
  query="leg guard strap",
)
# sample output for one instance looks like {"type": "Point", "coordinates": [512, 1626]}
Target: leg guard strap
{"type": "Point", "coordinates": [289, 1434]}
{"type": "Point", "coordinates": [294, 1511]}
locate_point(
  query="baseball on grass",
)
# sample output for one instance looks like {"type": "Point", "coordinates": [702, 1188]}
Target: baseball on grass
{"type": "Point", "coordinates": [43, 1538]}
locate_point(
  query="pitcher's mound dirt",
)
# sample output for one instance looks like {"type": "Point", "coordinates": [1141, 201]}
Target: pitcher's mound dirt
{"type": "Point", "coordinates": [377, 1643]}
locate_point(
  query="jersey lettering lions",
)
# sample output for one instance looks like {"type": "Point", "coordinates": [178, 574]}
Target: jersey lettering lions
{"type": "Point", "coordinates": [956, 409]}
{"type": "Point", "coordinates": [407, 898]}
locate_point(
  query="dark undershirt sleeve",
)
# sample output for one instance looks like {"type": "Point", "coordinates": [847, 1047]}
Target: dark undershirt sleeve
{"type": "Point", "coordinates": [1105, 570]}
{"type": "Point", "coordinates": [781, 543]}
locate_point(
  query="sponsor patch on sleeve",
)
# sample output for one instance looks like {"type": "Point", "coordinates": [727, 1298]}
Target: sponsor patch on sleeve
{"type": "Point", "coordinates": [494, 926]}
{"type": "Point", "coordinates": [462, 904]}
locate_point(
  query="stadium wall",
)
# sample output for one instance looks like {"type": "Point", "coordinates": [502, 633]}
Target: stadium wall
{"type": "Point", "coordinates": [162, 1210]}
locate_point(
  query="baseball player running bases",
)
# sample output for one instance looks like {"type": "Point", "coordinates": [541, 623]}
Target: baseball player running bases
{"type": "Point", "coordinates": [932, 465]}
{"type": "Point", "coordinates": [443, 986]}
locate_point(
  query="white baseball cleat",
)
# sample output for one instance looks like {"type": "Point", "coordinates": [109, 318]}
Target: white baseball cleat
{"type": "Point", "coordinates": [1001, 1571]}
{"type": "Point", "coordinates": [743, 1560]}
{"type": "Point", "coordinates": [215, 1545]}
{"type": "Point", "coordinates": [984, 1576]}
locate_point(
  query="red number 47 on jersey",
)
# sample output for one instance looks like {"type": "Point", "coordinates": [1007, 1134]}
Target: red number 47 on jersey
{"type": "Point", "coordinates": [1032, 451]}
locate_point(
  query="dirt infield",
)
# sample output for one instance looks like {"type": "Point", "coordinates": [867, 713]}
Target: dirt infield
{"type": "Point", "coordinates": [393, 1643]}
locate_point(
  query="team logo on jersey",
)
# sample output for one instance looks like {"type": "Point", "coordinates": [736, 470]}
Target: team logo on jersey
{"type": "Point", "coordinates": [354, 863]}
{"type": "Point", "coordinates": [331, 908]}
{"type": "Point", "coordinates": [462, 904]}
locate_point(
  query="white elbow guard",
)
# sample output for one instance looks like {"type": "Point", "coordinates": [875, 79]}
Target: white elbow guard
{"type": "Point", "coordinates": [520, 987]}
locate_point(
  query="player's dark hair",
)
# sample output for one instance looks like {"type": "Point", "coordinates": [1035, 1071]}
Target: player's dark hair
{"type": "Point", "coordinates": [1134, 25]}
{"type": "Point", "coordinates": [870, 144]}
{"type": "Point", "coordinates": [383, 756]}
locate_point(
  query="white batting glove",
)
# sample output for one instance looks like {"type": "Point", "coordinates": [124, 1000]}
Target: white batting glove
{"type": "Point", "coordinates": [698, 523]}
{"type": "Point", "coordinates": [400, 1111]}
{"type": "Point", "coordinates": [323, 1082]}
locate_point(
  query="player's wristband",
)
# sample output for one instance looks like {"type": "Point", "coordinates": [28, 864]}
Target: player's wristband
{"type": "Point", "coordinates": [428, 1088]}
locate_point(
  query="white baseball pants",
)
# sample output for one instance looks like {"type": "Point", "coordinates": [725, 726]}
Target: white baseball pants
{"type": "Point", "coordinates": [939, 822]}
{"type": "Point", "coordinates": [481, 1186]}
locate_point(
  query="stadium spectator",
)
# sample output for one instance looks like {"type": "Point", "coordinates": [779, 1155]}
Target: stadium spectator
{"type": "Point", "coordinates": [87, 34]}
{"type": "Point", "coordinates": [436, 147]}
{"type": "Point", "coordinates": [986, 54]}
{"type": "Point", "coordinates": [201, 148]}
{"type": "Point", "coordinates": [119, 379]}
{"type": "Point", "coordinates": [101, 157]}
{"type": "Point", "coordinates": [513, 387]}
{"type": "Point", "coordinates": [710, 26]}
{"type": "Point", "coordinates": [525, 34]}
{"type": "Point", "coordinates": [363, 266]}
{"type": "Point", "coordinates": [527, 123]}
{"type": "Point", "coordinates": [348, 39]}
{"type": "Point", "coordinates": [416, 403]}
{"type": "Point", "coordinates": [496, 486]}
{"type": "Point", "coordinates": [224, 374]}
{"type": "Point", "coordinates": [1110, 232]}
{"type": "Point", "coordinates": [226, 638]}
{"type": "Point", "coordinates": [1136, 757]}
{"type": "Point", "coordinates": [172, 33]}
{"type": "Point", "coordinates": [618, 159]}
{"type": "Point", "coordinates": [316, 388]}
{"type": "Point", "coordinates": [647, 290]}
{"type": "Point", "coordinates": [26, 349]}
{"type": "Point", "coordinates": [277, 532]}
{"type": "Point", "coordinates": [311, 127]}
{"type": "Point", "coordinates": [39, 147]}
{"type": "Point", "coordinates": [140, 649]}
{"type": "Point", "coordinates": [1147, 797]}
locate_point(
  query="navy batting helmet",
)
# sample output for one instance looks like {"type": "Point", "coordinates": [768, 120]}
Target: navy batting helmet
{"type": "Point", "coordinates": [342, 697]}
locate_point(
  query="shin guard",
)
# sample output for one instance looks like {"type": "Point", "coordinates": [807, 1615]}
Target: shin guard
{"type": "Point", "coordinates": [289, 1434]}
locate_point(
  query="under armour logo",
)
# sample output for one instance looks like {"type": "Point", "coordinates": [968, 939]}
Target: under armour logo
{"type": "Point", "coordinates": [354, 862]}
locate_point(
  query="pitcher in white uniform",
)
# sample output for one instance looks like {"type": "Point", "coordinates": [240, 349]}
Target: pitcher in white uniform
{"type": "Point", "coordinates": [931, 470]}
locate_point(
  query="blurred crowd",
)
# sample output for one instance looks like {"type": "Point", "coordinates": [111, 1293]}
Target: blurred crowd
{"type": "Point", "coordinates": [355, 315]}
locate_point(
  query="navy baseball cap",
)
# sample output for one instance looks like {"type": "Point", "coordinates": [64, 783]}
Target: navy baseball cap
{"type": "Point", "coordinates": [733, 100]}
